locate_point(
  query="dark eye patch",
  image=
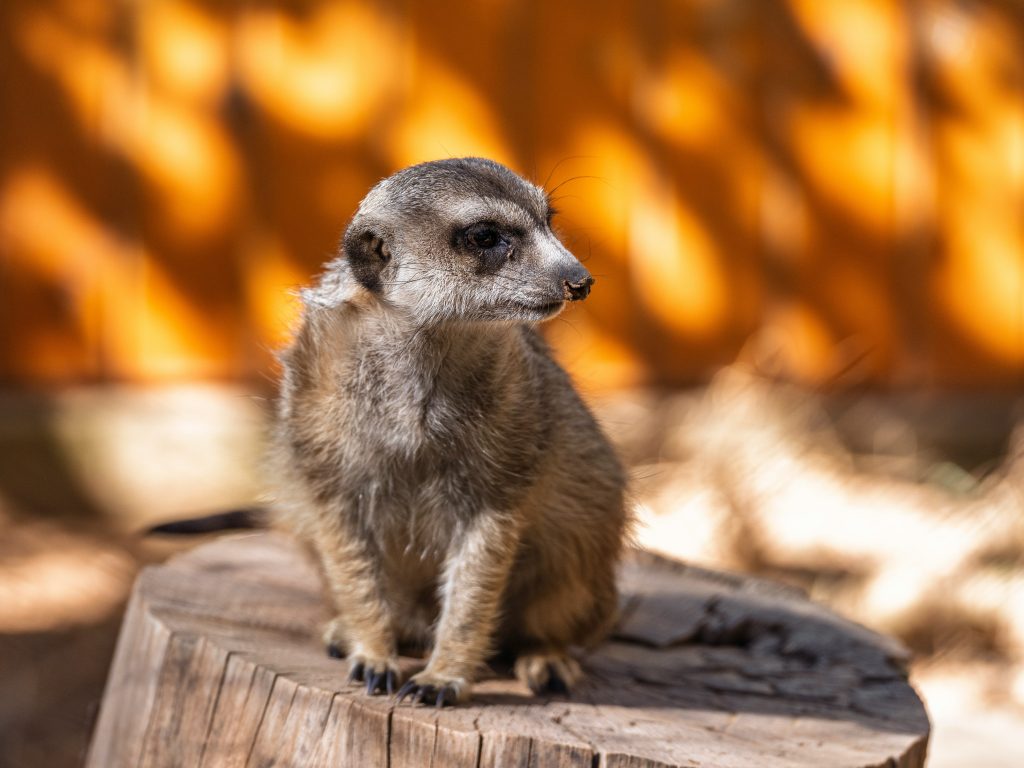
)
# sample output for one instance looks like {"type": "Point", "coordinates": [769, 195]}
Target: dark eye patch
{"type": "Point", "coordinates": [489, 243]}
{"type": "Point", "coordinates": [483, 236]}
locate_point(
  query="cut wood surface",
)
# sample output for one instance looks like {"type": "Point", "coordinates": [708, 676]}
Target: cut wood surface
{"type": "Point", "coordinates": [219, 665]}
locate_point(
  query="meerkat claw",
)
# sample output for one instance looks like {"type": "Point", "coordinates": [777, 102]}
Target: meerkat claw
{"type": "Point", "coordinates": [377, 681]}
{"type": "Point", "coordinates": [445, 697]}
{"type": "Point", "coordinates": [555, 684]}
{"type": "Point", "coordinates": [548, 673]}
{"type": "Point", "coordinates": [442, 696]}
{"type": "Point", "coordinates": [404, 691]}
{"type": "Point", "coordinates": [381, 682]}
{"type": "Point", "coordinates": [355, 674]}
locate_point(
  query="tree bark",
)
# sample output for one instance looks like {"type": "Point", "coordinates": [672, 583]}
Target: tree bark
{"type": "Point", "coordinates": [219, 665]}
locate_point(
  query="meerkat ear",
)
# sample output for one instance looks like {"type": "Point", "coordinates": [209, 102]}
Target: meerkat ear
{"type": "Point", "coordinates": [367, 252]}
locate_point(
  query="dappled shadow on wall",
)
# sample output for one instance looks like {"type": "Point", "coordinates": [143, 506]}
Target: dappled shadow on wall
{"type": "Point", "coordinates": [845, 175]}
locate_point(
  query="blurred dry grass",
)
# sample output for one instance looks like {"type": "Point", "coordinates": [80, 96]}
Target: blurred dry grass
{"type": "Point", "coordinates": [63, 586]}
{"type": "Point", "coordinates": [80, 473]}
{"type": "Point", "coordinates": [903, 514]}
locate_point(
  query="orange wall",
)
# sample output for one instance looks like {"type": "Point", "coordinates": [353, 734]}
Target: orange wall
{"type": "Point", "coordinates": [844, 179]}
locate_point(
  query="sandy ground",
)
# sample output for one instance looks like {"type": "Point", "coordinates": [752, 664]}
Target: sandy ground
{"type": "Point", "coordinates": [909, 525]}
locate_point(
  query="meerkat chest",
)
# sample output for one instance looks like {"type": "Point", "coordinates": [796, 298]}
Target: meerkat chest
{"type": "Point", "coordinates": [406, 409]}
{"type": "Point", "coordinates": [415, 469]}
{"type": "Point", "coordinates": [393, 435]}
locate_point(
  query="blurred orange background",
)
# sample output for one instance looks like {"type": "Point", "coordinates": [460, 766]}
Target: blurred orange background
{"type": "Point", "coordinates": [832, 190]}
{"type": "Point", "coordinates": [845, 176]}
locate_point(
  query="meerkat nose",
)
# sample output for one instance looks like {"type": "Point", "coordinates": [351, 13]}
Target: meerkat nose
{"type": "Point", "coordinates": [577, 290]}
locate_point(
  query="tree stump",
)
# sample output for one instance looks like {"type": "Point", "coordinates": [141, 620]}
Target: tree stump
{"type": "Point", "coordinates": [219, 664]}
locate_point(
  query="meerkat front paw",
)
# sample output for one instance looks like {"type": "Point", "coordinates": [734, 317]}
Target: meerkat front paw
{"type": "Point", "coordinates": [378, 670]}
{"type": "Point", "coordinates": [381, 675]}
{"type": "Point", "coordinates": [427, 687]}
{"type": "Point", "coordinates": [551, 672]}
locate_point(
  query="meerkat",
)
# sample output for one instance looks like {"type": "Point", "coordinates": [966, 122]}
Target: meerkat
{"type": "Point", "coordinates": [452, 486]}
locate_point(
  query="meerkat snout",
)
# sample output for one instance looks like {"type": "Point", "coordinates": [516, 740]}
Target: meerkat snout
{"type": "Point", "coordinates": [578, 289]}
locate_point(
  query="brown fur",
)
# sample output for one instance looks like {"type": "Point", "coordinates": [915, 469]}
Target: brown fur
{"type": "Point", "coordinates": [454, 488]}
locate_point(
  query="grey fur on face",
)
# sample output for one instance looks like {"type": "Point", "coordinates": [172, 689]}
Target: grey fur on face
{"type": "Point", "coordinates": [462, 239]}
{"type": "Point", "coordinates": [432, 455]}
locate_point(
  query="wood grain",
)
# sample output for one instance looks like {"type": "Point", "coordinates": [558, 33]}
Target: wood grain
{"type": "Point", "coordinates": [218, 665]}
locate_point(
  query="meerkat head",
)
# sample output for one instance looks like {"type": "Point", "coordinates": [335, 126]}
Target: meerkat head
{"type": "Point", "coordinates": [463, 239]}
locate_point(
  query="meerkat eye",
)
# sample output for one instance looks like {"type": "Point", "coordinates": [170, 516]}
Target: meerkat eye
{"type": "Point", "coordinates": [490, 246]}
{"type": "Point", "coordinates": [483, 236]}
{"type": "Point", "coordinates": [552, 211]}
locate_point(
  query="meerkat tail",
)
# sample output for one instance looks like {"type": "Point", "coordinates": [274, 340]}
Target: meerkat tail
{"type": "Point", "coordinates": [234, 519]}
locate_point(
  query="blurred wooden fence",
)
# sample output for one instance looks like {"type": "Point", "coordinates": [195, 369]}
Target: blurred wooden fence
{"type": "Point", "coordinates": [842, 179]}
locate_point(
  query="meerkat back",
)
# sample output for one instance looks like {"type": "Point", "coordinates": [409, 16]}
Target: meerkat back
{"type": "Point", "coordinates": [435, 459]}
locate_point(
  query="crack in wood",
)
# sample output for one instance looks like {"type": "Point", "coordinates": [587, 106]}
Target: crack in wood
{"type": "Point", "coordinates": [263, 714]}
{"type": "Point", "coordinates": [216, 701]}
